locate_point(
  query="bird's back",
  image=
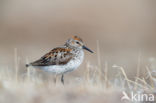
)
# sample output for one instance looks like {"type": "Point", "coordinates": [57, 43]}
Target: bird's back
{"type": "Point", "coordinates": [57, 56]}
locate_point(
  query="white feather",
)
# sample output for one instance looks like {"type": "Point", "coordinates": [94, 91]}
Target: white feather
{"type": "Point", "coordinates": [61, 69]}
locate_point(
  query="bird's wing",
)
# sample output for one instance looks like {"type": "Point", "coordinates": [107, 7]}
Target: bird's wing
{"type": "Point", "coordinates": [57, 56]}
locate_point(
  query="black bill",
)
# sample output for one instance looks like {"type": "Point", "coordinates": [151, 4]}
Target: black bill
{"type": "Point", "coordinates": [84, 47]}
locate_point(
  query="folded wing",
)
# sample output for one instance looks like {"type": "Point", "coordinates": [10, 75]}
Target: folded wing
{"type": "Point", "coordinates": [57, 56]}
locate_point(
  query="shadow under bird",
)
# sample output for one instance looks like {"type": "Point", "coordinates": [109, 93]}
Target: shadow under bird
{"type": "Point", "coordinates": [63, 59]}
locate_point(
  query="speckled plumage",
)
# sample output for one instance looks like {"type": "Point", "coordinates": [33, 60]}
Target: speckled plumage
{"type": "Point", "coordinates": [62, 59]}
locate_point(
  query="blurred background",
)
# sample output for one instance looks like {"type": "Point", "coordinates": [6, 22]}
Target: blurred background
{"type": "Point", "coordinates": [125, 30]}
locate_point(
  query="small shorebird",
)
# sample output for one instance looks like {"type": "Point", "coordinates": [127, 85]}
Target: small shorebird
{"type": "Point", "coordinates": [63, 59]}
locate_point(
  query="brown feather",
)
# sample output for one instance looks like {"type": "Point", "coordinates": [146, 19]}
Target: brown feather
{"type": "Point", "coordinates": [57, 56]}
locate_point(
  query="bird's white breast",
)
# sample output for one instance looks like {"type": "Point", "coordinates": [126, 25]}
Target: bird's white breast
{"type": "Point", "coordinates": [73, 64]}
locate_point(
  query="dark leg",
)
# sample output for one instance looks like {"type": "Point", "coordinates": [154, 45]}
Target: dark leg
{"type": "Point", "coordinates": [55, 79]}
{"type": "Point", "coordinates": [62, 79]}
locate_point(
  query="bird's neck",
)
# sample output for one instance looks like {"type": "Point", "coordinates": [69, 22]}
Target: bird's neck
{"type": "Point", "coordinates": [75, 50]}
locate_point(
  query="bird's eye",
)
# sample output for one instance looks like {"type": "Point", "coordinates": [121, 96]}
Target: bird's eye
{"type": "Point", "coordinates": [77, 42]}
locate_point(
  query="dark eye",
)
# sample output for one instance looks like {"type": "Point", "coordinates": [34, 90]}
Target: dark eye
{"type": "Point", "coordinates": [77, 42]}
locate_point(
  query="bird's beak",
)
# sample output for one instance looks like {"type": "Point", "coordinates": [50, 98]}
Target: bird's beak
{"type": "Point", "coordinates": [84, 47]}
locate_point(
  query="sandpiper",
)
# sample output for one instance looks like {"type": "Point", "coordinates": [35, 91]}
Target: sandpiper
{"type": "Point", "coordinates": [63, 59]}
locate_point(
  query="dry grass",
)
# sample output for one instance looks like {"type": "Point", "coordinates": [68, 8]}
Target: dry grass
{"type": "Point", "coordinates": [94, 87]}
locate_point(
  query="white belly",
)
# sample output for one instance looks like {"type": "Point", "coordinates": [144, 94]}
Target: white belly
{"type": "Point", "coordinates": [60, 69]}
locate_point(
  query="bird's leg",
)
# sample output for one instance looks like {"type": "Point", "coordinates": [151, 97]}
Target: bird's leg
{"type": "Point", "coordinates": [62, 79]}
{"type": "Point", "coordinates": [55, 79]}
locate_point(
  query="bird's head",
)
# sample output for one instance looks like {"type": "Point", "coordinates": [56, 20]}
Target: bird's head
{"type": "Point", "coordinates": [77, 42]}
